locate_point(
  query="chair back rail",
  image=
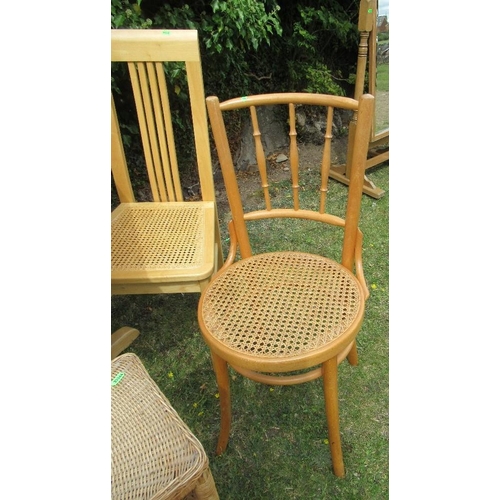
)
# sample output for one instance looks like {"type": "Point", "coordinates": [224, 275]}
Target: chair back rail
{"type": "Point", "coordinates": [364, 110]}
{"type": "Point", "coordinates": [145, 57]}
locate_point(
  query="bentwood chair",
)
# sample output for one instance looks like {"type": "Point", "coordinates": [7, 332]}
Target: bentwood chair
{"type": "Point", "coordinates": [163, 243]}
{"type": "Point", "coordinates": [154, 455]}
{"type": "Point", "coordinates": [278, 312]}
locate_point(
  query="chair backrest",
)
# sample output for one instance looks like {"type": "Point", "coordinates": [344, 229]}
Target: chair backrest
{"type": "Point", "coordinates": [146, 53]}
{"type": "Point", "coordinates": [348, 220]}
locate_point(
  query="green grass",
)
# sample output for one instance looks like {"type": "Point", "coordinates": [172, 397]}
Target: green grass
{"type": "Point", "coordinates": [383, 77]}
{"type": "Point", "coordinates": [277, 446]}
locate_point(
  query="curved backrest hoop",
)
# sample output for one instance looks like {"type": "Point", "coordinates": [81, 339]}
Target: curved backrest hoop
{"type": "Point", "coordinates": [364, 109]}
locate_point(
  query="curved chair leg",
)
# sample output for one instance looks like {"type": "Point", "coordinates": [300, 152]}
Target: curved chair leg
{"type": "Point", "coordinates": [352, 357]}
{"type": "Point", "coordinates": [222, 376]}
{"type": "Point", "coordinates": [330, 389]}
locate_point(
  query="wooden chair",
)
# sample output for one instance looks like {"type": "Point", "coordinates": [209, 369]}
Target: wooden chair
{"type": "Point", "coordinates": [266, 314]}
{"type": "Point", "coordinates": [154, 455]}
{"type": "Point", "coordinates": [166, 244]}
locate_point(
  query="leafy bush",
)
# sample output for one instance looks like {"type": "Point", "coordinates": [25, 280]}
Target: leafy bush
{"type": "Point", "coordinates": [127, 15]}
{"type": "Point", "coordinates": [240, 25]}
{"type": "Point", "coordinates": [253, 46]}
{"type": "Point", "coordinates": [320, 42]}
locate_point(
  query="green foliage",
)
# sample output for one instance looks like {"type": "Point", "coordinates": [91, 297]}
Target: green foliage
{"type": "Point", "coordinates": [383, 77]}
{"type": "Point", "coordinates": [319, 80]}
{"type": "Point", "coordinates": [169, 16]}
{"type": "Point", "coordinates": [128, 15]}
{"type": "Point", "coordinates": [257, 46]}
{"type": "Point", "coordinates": [225, 25]}
{"type": "Point", "coordinates": [250, 46]}
{"type": "Point", "coordinates": [317, 45]}
{"type": "Point", "coordinates": [239, 25]}
{"type": "Point", "coordinates": [324, 18]}
{"type": "Point", "coordinates": [235, 37]}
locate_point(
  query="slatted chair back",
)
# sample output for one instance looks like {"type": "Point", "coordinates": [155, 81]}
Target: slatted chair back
{"type": "Point", "coordinates": [173, 244]}
{"type": "Point", "coordinates": [348, 219]}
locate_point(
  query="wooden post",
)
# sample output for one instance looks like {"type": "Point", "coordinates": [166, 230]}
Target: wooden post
{"type": "Point", "coordinates": [342, 173]}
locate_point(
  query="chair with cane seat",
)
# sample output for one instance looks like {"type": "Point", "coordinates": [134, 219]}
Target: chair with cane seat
{"type": "Point", "coordinates": [161, 241]}
{"type": "Point", "coordinates": [154, 454]}
{"type": "Point", "coordinates": [277, 312]}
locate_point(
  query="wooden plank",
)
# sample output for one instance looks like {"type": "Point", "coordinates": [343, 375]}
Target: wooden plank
{"type": "Point", "coordinates": [121, 339]}
{"type": "Point", "coordinates": [147, 46]}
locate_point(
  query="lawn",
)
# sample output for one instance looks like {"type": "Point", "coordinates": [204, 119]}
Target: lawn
{"type": "Point", "coordinates": [278, 445]}
{"type": "Point", "coordinates": [383, 77]}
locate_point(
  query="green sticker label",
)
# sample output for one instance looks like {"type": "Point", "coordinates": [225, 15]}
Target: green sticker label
{"type": "Point", "coordinates": [117, 378]}
{"type": "Point", "coordinates": [166, 32]}
{"type": "Point", "coordinates": [244, 98]}
{"type": "Point", "coordinates": [370, 11]}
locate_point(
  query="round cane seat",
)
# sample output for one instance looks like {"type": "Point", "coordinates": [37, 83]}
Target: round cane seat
{"type": "Point", "coordinates": [281, 304]}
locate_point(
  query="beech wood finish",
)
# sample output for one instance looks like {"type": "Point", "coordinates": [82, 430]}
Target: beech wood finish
{"type": "Point", "coordinates": [167, 244]}
{"type": "Point", "coordinates": [286, 311]}
{"type": "Point", "coordinates": [154, 455]}
{"type": "Point", "coordinates": [121, 339]}
{"type": "Point", "coordinates": [367, 52]}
